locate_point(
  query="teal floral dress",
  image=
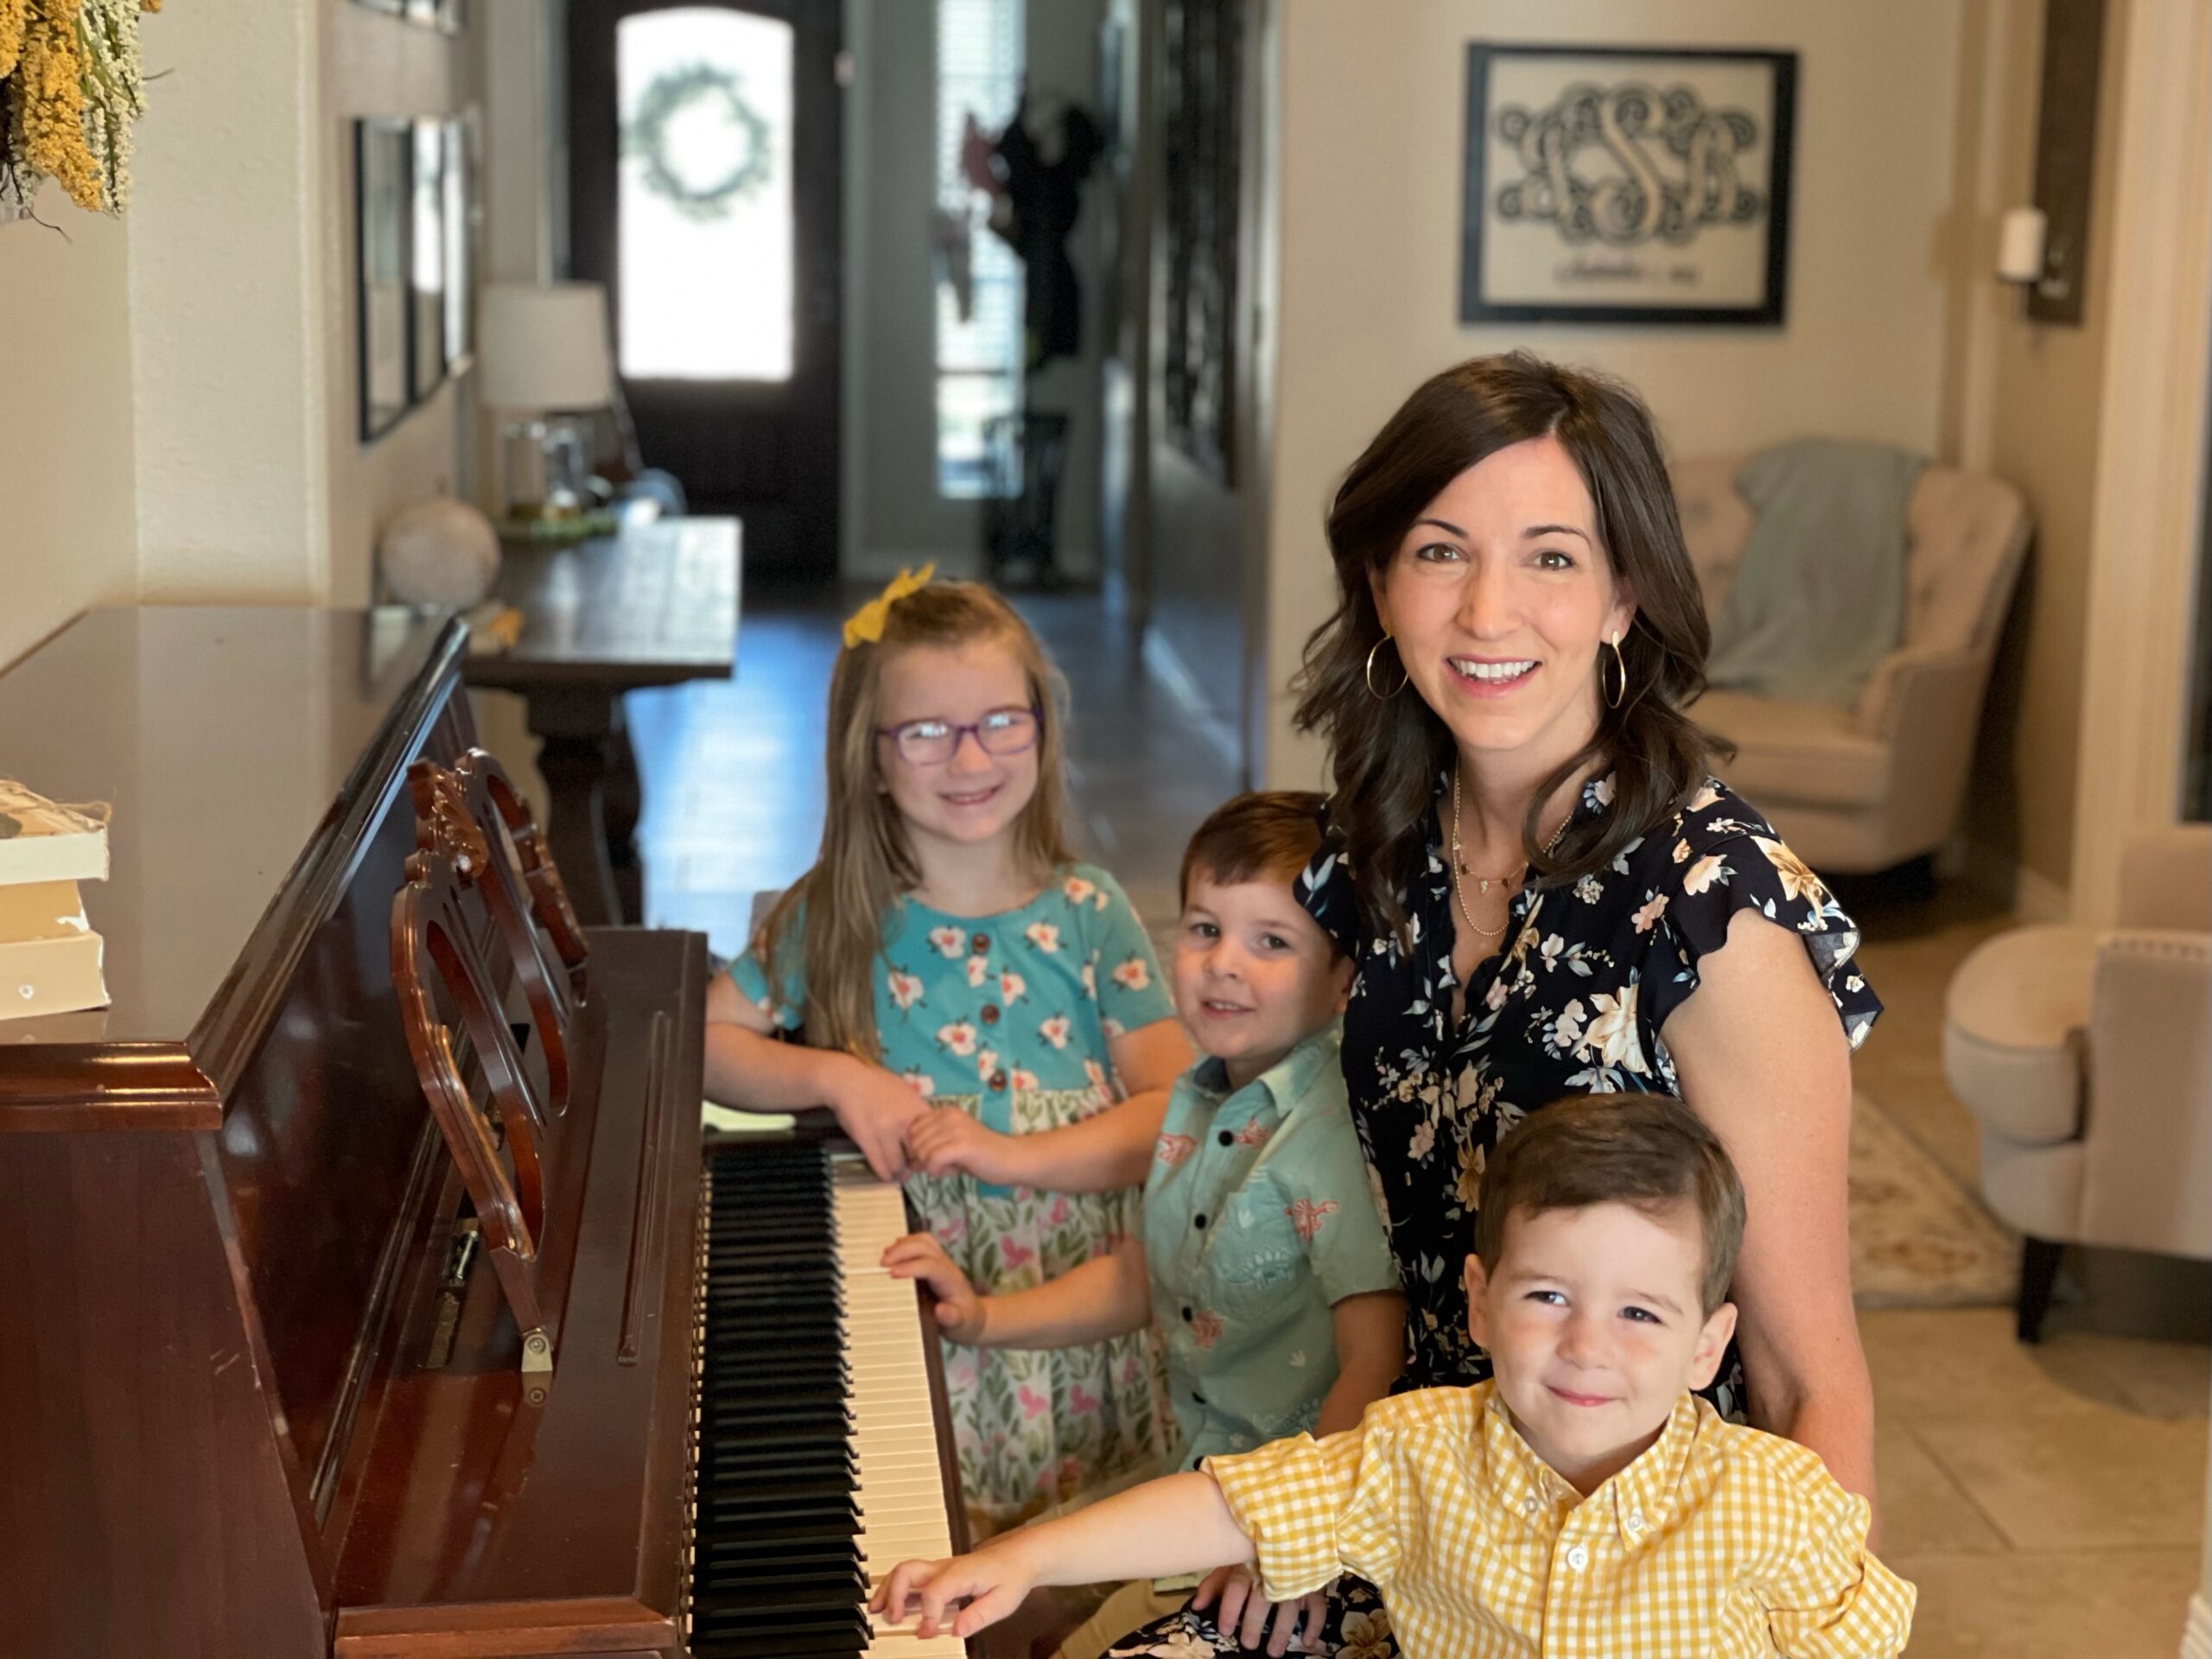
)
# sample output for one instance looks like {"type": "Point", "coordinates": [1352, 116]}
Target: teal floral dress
{"type": "Point", "coordinates": [1008, 1018]}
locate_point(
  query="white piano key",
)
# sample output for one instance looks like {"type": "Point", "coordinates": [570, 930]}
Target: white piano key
{"type": "Point", "coordinates": [901, 1483]}
{"type": "Point", "coordinates": [900, 1493]}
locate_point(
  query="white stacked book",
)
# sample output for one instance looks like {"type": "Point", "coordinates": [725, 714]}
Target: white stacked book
{"type": "Point", "coordinates": [49, 956]}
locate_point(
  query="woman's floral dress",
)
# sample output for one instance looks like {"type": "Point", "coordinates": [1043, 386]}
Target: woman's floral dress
{"type": "Point", "coordinates": [1009, 1018]}
{"type": "Point", "coordinates": [1573, 1003]}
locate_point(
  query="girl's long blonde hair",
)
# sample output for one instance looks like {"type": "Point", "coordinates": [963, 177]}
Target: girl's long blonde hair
{"type": "Point", "coordinates": [834, 915]}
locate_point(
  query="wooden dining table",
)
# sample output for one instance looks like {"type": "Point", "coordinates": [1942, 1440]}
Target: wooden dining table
{"type": "Point", "coordinates": [655, 603]}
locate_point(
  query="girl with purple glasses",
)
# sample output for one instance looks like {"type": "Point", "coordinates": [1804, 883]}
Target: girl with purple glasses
{"type": "Point", "coordinates": [983, 1015]}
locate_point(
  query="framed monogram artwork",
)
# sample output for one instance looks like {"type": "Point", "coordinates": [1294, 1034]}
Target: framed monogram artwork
{"type": "Point", "coordinates": [1626, 185]}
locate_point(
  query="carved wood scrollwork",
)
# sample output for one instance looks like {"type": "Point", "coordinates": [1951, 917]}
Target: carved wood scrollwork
{"type": "Point", "coordinates": [549, 896]}
{"type": "Point", "coordinates": [431, 953]}
{"type": "Point", "coordinates": [480, 872]}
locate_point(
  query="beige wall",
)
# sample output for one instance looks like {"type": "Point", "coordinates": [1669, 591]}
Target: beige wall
{"type": "Point", "coordinates": [375, 65]}
{"type": "Point", "coordinates": [2027, 401]}
{"type": "Point", "coordinates": [1372, 142]}
{"type": "Point", "coordinates": [178, 423]}
{"type": "Point", "coordinates": [227, 370]}
{"type": "Point", "coordinates": [69, 537]}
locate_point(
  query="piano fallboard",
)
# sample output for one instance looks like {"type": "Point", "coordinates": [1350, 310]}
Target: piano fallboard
{"type": "Point", "coordinates": [245, 1406]}
{"type": "Point", "coordinates": [478, 1508]}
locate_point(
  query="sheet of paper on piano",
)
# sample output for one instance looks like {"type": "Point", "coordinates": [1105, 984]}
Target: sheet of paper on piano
{"type": "Point", "coordinates": [731, 1120]}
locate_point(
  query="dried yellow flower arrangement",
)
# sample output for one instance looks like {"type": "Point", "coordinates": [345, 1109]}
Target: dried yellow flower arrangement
{"type": "Point", "coordinates": [70, 90]}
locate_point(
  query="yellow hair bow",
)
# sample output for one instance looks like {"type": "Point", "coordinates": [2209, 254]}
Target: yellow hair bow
{"type": "Point", "coordinates": [867, 623]}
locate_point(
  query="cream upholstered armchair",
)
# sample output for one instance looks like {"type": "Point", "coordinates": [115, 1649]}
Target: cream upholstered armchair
{"type": "Point", "coordinates": [1864, 788]}
{"type": "Point", "coordinates": [2086, 1056]}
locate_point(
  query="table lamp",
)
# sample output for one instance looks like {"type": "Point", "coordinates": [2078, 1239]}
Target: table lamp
{"type": "Point", "coordinates": [545, 359]}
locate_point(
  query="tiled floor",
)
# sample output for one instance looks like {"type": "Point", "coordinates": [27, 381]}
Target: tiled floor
{"type": "Point", "coordinates": [2048, 1501]}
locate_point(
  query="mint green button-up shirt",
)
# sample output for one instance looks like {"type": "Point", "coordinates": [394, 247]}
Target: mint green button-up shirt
{"type": "Point", "coordinates": [1258, 1218]}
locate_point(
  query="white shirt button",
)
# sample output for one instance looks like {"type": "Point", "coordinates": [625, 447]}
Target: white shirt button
{"type": "Point", "coordinates": [1578, 1558]}
{"type": "Point", "coordinates": [1636, 1520]}
{"type": "Point", "coordinates": [1528, 1506]}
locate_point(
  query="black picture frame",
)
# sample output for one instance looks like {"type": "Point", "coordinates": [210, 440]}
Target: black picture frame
{"type": "Point", "coordinates": [384, 154]}
{"type": "Point", "coordinates": [461, 184]}
{"type": "Point", "coordinates": [1201, 116]}
{"type": "Point", "coordinates": [1533, 252]}
{"type": "Point", "coordinates": [427, 269]}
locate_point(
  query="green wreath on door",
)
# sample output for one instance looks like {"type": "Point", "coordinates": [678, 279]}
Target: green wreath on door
{"type": "Point", "coordinates": [665, 98]}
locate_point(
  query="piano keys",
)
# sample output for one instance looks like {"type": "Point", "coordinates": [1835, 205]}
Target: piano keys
{"type": "Point", "coordinates": [262, 1390]}
{"type": "Point", "coordinates": [820, 1463]}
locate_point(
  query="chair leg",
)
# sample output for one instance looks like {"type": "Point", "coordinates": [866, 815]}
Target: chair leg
{"type": "Point", "coordinates": [2039, 1271]}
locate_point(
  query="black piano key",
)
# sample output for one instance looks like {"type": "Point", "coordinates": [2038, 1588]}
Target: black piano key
{"type": "Point", "coordinates": [776, 1567]}
{"type": "Point", "coordinates": [735, 1515]}
{"type": "Point", "coordinates": [786, 1598]}
{"type": "Point", "coordinates": [771, 1645]}
{"type": "Point", "coordinates": [742, 1530]}
{"type": "Point", "coordinates": [761, 1562]}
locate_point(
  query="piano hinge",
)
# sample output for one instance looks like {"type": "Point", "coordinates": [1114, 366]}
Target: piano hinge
{"type": "Point", "coordinates": [452, 1285]}
{"type": "Point", "coordinates": [537, 1350]}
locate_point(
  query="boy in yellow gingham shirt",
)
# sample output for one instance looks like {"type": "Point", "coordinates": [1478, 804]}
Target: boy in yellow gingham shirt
{"type": "Point", "coordinates": [1582, 1503]}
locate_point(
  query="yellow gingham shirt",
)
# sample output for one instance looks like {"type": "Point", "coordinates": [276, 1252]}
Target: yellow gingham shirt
{"type": "Point", "coordinates": [1719, 1541]}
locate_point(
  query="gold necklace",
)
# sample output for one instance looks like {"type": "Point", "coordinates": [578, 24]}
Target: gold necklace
{"type": "Point", "coordinates": [1482, 882]}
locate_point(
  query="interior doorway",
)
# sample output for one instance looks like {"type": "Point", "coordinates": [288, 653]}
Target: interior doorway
{"type": "Point", "coordinates": [705, 192]}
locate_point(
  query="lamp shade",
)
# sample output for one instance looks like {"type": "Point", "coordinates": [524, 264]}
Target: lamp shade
{"type": "Point", "coordinates": [545, 348]}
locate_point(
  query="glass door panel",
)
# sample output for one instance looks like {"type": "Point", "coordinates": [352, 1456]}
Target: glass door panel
{"type": "Point", "coordinates": [704, 230]}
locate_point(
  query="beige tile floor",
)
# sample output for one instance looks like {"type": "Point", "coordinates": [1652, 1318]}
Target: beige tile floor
{"type": "Point", "coordinates": [2048, 1501]}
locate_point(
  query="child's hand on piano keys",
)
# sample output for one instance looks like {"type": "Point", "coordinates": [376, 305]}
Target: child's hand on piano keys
{"type": "Point", "coordinates": [959, 1309]}
{"type": "Point", "coordinates": [947, 1141]}
{"type": "Point", "coordinates": [991, 1581]}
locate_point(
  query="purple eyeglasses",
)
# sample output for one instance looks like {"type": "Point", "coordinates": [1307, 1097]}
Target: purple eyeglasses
{"type": "Point", "coordinates": [933, 742]}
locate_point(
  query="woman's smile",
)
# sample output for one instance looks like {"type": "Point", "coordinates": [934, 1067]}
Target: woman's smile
{"type": "Point", "coordinates": [1490, 676]}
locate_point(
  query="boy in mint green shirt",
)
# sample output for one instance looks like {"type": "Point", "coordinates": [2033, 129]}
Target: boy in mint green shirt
{"type": "Point", "coordinates": [1258, 1223]}
{"type": "Point", "coordinates": [1264, 1262]}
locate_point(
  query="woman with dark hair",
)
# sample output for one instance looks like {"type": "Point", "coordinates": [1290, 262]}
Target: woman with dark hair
{"type": "Point", "coordinates": [1547, 893]}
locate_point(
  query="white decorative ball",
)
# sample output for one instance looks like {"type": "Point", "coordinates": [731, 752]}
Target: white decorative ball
{"type": "Point", "coordinates": [439, 552]}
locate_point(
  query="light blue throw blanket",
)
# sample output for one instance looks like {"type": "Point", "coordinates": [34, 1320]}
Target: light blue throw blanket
{"type": "Point", "coordinates": [1818, 598]}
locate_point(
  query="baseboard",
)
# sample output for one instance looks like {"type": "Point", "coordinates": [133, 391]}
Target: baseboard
{"type": "Point", "coordinates": [2029, 894]}
{"type": "Point", "coordinates": [2197, 1635]}
{"type": "Point", "coordinates": [2037, 898]}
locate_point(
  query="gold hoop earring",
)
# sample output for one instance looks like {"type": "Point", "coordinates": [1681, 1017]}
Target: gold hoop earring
{"type": "Point", "coordinates": [1384, 696]}
{"type": "Point", "coordinates": [1613, 701]}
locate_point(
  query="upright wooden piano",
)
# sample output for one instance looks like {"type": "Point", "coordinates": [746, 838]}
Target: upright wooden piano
{"type": "Point", "coordinates": [364, 1286]}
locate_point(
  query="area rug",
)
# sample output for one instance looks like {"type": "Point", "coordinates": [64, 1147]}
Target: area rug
{"type": "Point", "coordinates": [1918, 1239]}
